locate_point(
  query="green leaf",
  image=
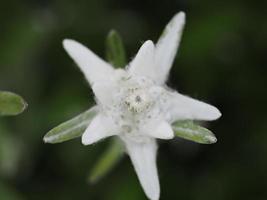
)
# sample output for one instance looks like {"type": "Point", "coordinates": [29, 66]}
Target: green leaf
{"type": "Point", "coordinates": [107, 161]}
{"type": "Point", "coordinates": [11, 104]}
{"type": "Point", "coordinates": [72, 128]}
{"type": "Point", "coordinates": [115, 51]}
{"type": "Point", "coordinates": [191, 131]}
{"type": "Point", "coordinates": [8, 192]}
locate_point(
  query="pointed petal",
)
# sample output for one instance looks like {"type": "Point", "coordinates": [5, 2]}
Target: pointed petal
{"type": "Point", "coordinates": [143, 156]}
{"type": "Point", "coordinates": [143, 63]}
{"type": "Point", "coordinates": [181, 107]}
{"type": "Point", "coordinates": [160, 130]}
{"type": "Point", "coordinates": [100, 128]}
{"type": "Point", "coordinates": [167, 46]}
{"type": "Point", "coordinates": [93, 67]}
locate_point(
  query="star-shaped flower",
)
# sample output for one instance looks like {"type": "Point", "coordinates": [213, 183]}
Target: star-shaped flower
{"type": "Point", "coordinates": [134, 103]}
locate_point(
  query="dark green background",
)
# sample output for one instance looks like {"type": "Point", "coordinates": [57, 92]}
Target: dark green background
{"type": "Point", "coordinates": [222, 60]}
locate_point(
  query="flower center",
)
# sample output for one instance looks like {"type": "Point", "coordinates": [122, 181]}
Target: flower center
{"type": "Point", "coordinates": [134, 103]}
{"type": "Point", "coordinates": [137, 100]}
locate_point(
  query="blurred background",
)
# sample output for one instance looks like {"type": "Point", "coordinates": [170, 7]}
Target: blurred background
{"type": "Point", "coordinates": [222, 60]}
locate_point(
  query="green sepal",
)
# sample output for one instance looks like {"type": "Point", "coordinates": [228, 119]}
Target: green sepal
{"type": "Point", "coordinates": [72, 128]}
{"type": "Point", "coordinates": [11, 104]}
{"type": "Point", "coordinates": [190, 131]}
{"type": "Point", "coordinates": [106, 162]}
{"type": "Point", "coordinates": [115, 51]}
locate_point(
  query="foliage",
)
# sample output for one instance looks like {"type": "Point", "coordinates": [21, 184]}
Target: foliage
{"type": "Point", "coordinates": [11, 104]}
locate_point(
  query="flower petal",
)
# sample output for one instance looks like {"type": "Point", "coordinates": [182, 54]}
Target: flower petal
{"type": "Point", "coordinates": [143, 156]}
{"type": "Point", "coordinates": [100, 128]}
{"type": "Point", "coordinates": [181, 107]}
{"type": "Point", "coordinates": [143, 63]}
{"type": "Point", "coordinates": [160, 130]}
{"type": "Point", "coordinates": [167, 46]}
{"type": "Point", "coordinates": [93, 67]}
{"type": "Point", "coordinates": [104, 91]}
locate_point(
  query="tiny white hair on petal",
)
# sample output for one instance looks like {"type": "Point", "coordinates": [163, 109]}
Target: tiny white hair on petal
{"type": "Point", "coordinates": [100, 128]}
{"type": "Point", "coordinates": [143, 62]}
{"type": "Point", "coordinates": [143, 157]}
{"type": "Point", "coordinates": [181, 107]}
{"type": "Point", "coordinates": [167, 46]}
{"type": "Point", "coordinates": [93, 67]}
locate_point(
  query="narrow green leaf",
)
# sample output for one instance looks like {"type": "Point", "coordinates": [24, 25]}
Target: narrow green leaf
{"type": "Point", "coordinates": [11, 104]}
{"type": "Point", "coordinates": [107, 161]}
{"type": "Point", "coordinates": [191, 131]}
{"type": "Point", "coordinates": [72, 128]}
{"type": "Point", "coordinates": [115, 51]}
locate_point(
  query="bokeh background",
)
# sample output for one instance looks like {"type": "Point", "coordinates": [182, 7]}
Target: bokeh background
{"type": "Point", "coordinates": [222, 60]}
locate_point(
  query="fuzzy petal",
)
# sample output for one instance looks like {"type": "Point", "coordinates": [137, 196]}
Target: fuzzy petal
{"type": "Point", "coordinates": [160, 130]}
{"type": "Point", "coordinates": [143, 157]}
{"type": "Point", "coordinates": [181, 107]}
{"type": "Point", "coordinates": [167, 46]}
{"type": "Point", "coordinates": [143, 63]}
{"type": "Point", "coordinates": [93, 67]}
{"type": "Point", "coordinates": [100, 128]}
{"type": "Point", "coordinates": [104, 91]}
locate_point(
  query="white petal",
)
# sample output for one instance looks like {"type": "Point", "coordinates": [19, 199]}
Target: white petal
{"type": "Point", "coordinates": [161, 130]}
{"type": "Point", "coordinates": [181, 107]}
{"type": "Point", "coordinates": [100, 128]}
{"type": "Point", "coordinates": [93, 67]}
{"type": "Point", "coordinates": [143, 156]}
{"type": "Point", "coordinates": [167, 46]}
{"type": "Point", "coordinates": [104, 91]}
{"type": "Point", "coordinates": [143, 63]}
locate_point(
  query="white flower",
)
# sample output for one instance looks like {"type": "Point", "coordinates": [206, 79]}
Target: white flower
{"type": "Point", "coordinates": [135, 104]}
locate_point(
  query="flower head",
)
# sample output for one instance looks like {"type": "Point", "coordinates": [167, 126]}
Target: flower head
{"type": "Point", "coordinates": [135, 104]}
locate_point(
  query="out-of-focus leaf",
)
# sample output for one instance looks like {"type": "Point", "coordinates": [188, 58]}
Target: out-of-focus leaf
{"type": "Point", "coordinates": [107, 161]}
{"type": "Point", "coordinates": [11, 151]}
{"type": "Point", "coordinates": [115, 51]}
{"type": "Point", "coordinates": [72, 128]}
{"type": "Point", "coordinates": [8, 192]}
{"type": "Point", "coordinates": [11, 104]}
{"type": "Point", "coordinates": [191, 131]}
